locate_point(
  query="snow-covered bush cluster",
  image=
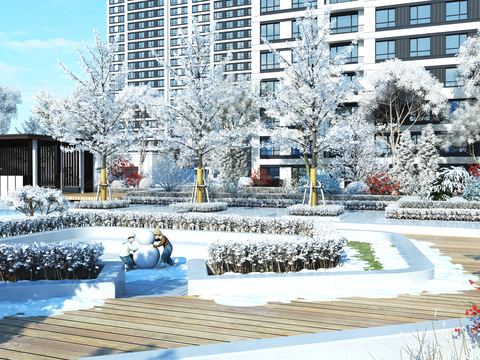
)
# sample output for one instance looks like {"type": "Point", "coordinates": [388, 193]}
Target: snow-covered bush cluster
{"type": "Point", "coordinates": [49, 261]}
{"type": "Point", "coordinates": [306, 210]}
{"type": "Point", "coordinates": [108, 204]}
{"type": "Point", "coordinates": [203, 207]}
{"type": "Point", "coordinates": [30, 199]}
{"type": "Point", "coordinates": [276, 254]}
{"type": "Point", "coordinates": [414, 202]}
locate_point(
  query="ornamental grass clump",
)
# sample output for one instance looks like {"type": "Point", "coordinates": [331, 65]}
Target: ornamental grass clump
{"type": "Point", "coordinates": [49, 261]}
{"type": "Point", "coordinates": [273, 255]}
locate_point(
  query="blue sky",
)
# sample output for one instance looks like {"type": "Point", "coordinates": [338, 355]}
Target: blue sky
{"type": "Point", "coordinates": [34, 33]}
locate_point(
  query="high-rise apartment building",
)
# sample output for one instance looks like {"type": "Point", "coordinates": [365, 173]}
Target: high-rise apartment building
{"type": "Point", "coordinates": [427, 32]}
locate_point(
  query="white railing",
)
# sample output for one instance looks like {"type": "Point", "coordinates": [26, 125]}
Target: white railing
{"type": "Point", "coordinates": [10, 183]}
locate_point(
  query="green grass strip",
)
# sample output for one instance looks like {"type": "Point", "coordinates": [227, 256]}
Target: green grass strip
{"type": "Point", "coordinates": [366, 253]}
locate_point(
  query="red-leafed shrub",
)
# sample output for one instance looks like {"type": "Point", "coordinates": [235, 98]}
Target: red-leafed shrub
{"type": "Point", "coordinates": [260, 177]}
{"type": "Point", "coordinates": [124, 170]}
{"type": "Point", "coordinates": [474, 169]}
{"type": "Point", "coordinates": [382, 184]}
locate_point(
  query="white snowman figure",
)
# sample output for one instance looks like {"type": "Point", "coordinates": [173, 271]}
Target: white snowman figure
{"type": "Point", "coordinates": [146, 256]}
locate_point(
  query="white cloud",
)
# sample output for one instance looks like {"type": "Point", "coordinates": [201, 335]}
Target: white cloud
{"type": "Point", "coordinates": [35, 45]}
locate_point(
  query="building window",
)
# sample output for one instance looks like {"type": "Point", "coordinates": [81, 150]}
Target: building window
{"type": "Point", "coordinates": [344, 23]}
{"type": "Point", "coordinates": [273, 172]}
{"type": "Point", "coordinates": [267, 149]}
{"type": "Point", "coordinates": [295, 30]}
{"type": "Point", "coordinates": [268, 87]}
{"type": "Point", "coordinates": [269, 61]}
{"type": "Point", "coordinates": [385, 50]}
{"type": "Point", "coordinates": [420, 47]}
{"type": "Point", "coordinates": [419, 14]}
{"type": "Point", "coordinates": [267, 120]}
{"type": "Point", "coordinates": [351, 57]}
{"type": "Point", "coordinates": [217, 5]}
{"type": "Point", "coordinates": [385, 18]}
{"type": "Point", "coordinates": [451, 75]}
{"type": "Point", "coordinates": [269, 5]}
{"type": "Point", "coordinates": [456, 10]}
{"type": "Point", "coordinates": [303, 3]}
{"type": "Point", "coordinates": [453, 43]}
{"type": "Point", "coordinates": [270, 31]}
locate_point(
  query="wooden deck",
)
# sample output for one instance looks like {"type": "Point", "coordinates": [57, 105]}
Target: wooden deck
{"type": "Point", "coordinates": [138, 324]}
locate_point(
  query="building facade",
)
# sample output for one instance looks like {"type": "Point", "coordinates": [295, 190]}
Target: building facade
{"type": "Point", "coordinates": [427, 32]}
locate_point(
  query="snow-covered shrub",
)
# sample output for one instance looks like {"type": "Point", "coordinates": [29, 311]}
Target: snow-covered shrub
{"type": "Point", "coordinates": [448, 182]}
{"type": "Point", "coordinates": [108, 204]}
{"type": "Point", "coordinates": [49, 261]}
{"type": "Point", "coordinates": [30, 199]}
{"type": "Point", "coordinates": [169, 175]}
{"type": "Point", "coordinates": [274, 254]}
{"type": "Point", "coordinates": [203, 207]}
{"type": "Point", "coordinates": [471, 191]}
{"type": "Point", "coordinates": [415, 202]}
{"type": "Point", "coordinates": [146, 183]}
{"type": "Point", "coordinates": [305, 210]}
{"type": "Point", "coordinates": [233, 187]}
{"type": "Point", "coordinates": [357, 188]}
{"type": "Point", "coordinates": [118, 184]}
{"type": "Point", "coordinates": [330, 184]}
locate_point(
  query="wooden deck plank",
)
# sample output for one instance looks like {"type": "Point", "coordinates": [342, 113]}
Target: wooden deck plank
{"type": "Point", "coordinates": [22, 343]}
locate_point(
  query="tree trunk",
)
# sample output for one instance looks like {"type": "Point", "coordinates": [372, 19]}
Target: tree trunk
{"type": "Point", "coordinates": [103, 179]}
{"type": "Point", "coordinates": [313, 171]}
{"type": "Point", "coordinates": [307, 163]}
{"type": "Point", "coordinates": [200, 179]}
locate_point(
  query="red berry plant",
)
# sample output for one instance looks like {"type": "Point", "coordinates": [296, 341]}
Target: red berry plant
{"type": "Point", "coordinates": [382, 184]}
{"type": "Point", "coordinates": [474, 310]}
{"type": "Point", "coordinates": [124, 170]}
{"type": "Point", "coordinates": [260, 177]}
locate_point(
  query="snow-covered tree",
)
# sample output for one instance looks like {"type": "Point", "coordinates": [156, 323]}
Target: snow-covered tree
{"type": "Point", "coordinates": [91, 118]}
{"type": "Point", "coordinates": [398, 95]}
{"type": "Point", "coordinates": [469, 65]}
{"type": "Point", "coordinates": [428, 157]}
{"type": "Point", "coordinates": [311, 89]}
{"type": "Point", "coordinates": [9, 99]}
{"type": "Point", "coordinates": [354, 149]}
{"type": "Point", "coordinates": [464, 127]}
{"type": "Point", "coordinates": [31, 126]}
{"type": "Point", "coordinates": [195, 117]}
{"type": "Point", "coordinates": [406, 170]}
{"type": "Point", "coordinates": [417, 164]}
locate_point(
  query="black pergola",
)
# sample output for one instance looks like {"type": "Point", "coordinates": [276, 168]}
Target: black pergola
{"type": "Point", "coordinates": [28, 159]}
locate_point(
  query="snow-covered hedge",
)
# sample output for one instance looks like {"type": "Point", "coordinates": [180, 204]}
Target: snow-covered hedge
{"type": "Point", "coordinates": [108, 204]}
{"type": "Point", "coordinates": [417, 203]}
{"type": "Point", "coordinates": [49, 261]}
{"type": "Point", "coordinates": [276, 254]}
{"type": "Point", "coordinates": [265, 203]}
{"type": "Point", "coordinates": [394, 211]}
{"type": "Point", "coordinates": [183, 221]}
{"type": "Point", "coordinates": [305, 210]}
{"type": "Point", "coordinates": [204, 207]}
